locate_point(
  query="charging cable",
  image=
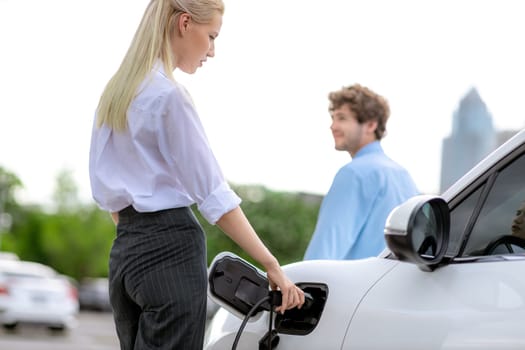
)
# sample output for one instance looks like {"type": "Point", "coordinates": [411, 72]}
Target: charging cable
{"type": "Point", "coordinates": [269, 302]}
{"type": "Point", "coordinates": [247, 317]}
{"type": "Point", "coordinates": [273, 299]}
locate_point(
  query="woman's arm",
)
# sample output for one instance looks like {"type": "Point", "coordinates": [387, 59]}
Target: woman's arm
{"type": "Point", "coordinates": [235, 224]}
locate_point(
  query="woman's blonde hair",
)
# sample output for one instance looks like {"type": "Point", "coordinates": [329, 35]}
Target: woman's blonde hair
{"type": "Point", "coordinates": [152, 41]}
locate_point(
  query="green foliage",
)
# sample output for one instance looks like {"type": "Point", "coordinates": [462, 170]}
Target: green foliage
{"type": "Point", "coordinates": [74, 243]}
{"type": "Point", "coordinates": [24, 238]}
{"type": "Point", "coordinates": [76, 238]}
{"type": "Point", "coordinates": [284, 221]}
{"type": "Point", "coordinates": [9, 183]}
{"type": "Point", "coordinates": [65, 194]}
{"type": "Point", "coordinates": [78, 243]}
{"type": "Point", "coordinates": [9, 208]}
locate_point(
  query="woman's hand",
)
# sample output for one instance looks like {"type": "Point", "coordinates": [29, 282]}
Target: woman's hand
{"type": "Point", "coordinates": [235, 224]}
{"type": "Point", "coordinates": [292, 296]}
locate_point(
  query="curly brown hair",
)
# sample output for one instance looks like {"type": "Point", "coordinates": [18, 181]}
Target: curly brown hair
{"type": "Point", "coordinates": [366, 104]}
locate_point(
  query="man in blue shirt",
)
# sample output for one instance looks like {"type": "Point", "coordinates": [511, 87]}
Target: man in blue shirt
{"type": "Point", "coordinates": [364, 191]}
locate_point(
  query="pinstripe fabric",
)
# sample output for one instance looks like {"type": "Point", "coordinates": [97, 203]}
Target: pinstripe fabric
{"type": "Point", "coordinates": [157, 274]}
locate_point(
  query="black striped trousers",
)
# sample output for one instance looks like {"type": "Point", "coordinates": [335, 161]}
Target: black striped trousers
{"type": "Point", "coordinates": [157, 280]}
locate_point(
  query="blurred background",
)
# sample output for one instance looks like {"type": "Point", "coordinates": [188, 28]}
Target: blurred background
{"type": "Point", "coordinates": [452, 71]}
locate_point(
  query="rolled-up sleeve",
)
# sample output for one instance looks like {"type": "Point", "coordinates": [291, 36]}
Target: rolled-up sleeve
{"type": "Point", "coordinates": [219, 202]}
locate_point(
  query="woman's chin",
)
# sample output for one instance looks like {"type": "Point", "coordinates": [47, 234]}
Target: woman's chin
{"type": "Point", "coordinates": [189, 70]}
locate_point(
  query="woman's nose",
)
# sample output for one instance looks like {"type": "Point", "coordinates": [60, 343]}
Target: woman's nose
{"type": "Point", "coordinates": [211, 50]}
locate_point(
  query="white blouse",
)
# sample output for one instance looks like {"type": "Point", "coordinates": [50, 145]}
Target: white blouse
{"type": "Point", "coordinates": [162, 160]}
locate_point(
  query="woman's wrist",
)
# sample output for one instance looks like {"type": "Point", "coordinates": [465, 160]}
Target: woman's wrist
{"type": "Point", "coordinates": [270, 264]}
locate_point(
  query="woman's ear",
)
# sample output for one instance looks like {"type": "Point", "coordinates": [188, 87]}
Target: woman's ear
{"type": "Point", "coordinates": [184, 23]}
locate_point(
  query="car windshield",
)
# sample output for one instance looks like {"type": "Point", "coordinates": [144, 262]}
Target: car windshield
{"type": "Point", "coordinates": [25, 275]}
{"type": "Point", "coordinates": [21, 269]}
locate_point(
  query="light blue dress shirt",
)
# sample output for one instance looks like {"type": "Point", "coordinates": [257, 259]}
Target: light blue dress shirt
{"type": "Point", "coordinates": [353, 213]}
{"type": "Point", "coordinates": [163, 160]}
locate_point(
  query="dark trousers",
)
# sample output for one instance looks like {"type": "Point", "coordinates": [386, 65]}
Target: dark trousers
{"type": "Point", "coordinates": [157, 280]}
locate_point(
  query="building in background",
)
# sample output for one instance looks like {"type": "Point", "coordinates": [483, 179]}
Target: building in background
{"type": "Point", "coordinates": [472, 138]}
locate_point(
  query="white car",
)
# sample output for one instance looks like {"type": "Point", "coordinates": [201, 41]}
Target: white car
{"type": "Point", "coordinates": [34, 293]}
{"type": "Point", "coordinates": [8, 256]}
{"type": "Point", "coordinates": [452, 277]}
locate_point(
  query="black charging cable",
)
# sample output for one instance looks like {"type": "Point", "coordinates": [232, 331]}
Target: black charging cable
{"type": "Point", "coordinates": [269, 302]}
{"type": "Point", "coordinates": [273, 299]}
{"type": "Point", "coordinates": [276, 299]}
{"type": "Point", "coordinates": [247, 317]}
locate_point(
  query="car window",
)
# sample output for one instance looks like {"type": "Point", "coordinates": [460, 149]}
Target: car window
{"type": "Point", "coordinates": [497, 216]}
{"type": "Point", "coordinates": [459, 218]}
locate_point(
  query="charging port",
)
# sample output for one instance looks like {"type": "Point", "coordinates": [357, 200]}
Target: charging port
{"type": "Point", "coordinates": [237, 283]}
{"type": "Point", "coordinates": [303, 321]}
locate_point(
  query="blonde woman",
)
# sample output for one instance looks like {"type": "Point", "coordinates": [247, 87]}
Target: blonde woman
{"type": "Point", "coordinates": [149, 162]}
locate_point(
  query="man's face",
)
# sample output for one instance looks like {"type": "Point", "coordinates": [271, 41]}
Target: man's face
{"type": "Point", "coordinates": [348, 134]}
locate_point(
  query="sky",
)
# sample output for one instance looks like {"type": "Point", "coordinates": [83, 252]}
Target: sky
{"type": "Point", "coordinates": [263, 97]}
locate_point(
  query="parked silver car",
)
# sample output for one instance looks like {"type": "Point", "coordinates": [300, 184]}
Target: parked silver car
{"type": "Point", "coordinates": [34, 293]}
{"type": "Point", "coordinates": [93, 294]}
{"type": "Point", "coordinates": [8, 256]}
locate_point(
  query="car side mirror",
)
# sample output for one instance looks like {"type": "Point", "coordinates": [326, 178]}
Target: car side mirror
{"type": "Point", "coordinates": [417, 231]}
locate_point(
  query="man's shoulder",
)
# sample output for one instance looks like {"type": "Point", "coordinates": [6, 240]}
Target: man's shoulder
{"type": "Point", "coordinates": [371, 167]}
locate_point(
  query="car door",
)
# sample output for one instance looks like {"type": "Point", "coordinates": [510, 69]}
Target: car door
{"type": "Point", "coordinates": [476, 298]}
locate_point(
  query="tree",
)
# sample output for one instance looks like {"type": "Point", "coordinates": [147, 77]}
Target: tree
{"type": "Point", "coordinates": [284, 221]}
{"type": "Point", "coordinates": [65, 194]}
{"type": "Point", "coordinates": [9, 183]}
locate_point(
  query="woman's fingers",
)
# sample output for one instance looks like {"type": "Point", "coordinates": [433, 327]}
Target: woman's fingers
{"type": "Point", "coordinates": [292, 296]}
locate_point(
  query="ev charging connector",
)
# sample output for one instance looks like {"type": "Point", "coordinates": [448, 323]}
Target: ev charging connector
{"type": "Point", "coordinates": [243, 290]}
{"type": "Point", "coordinates": [237, 285]}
